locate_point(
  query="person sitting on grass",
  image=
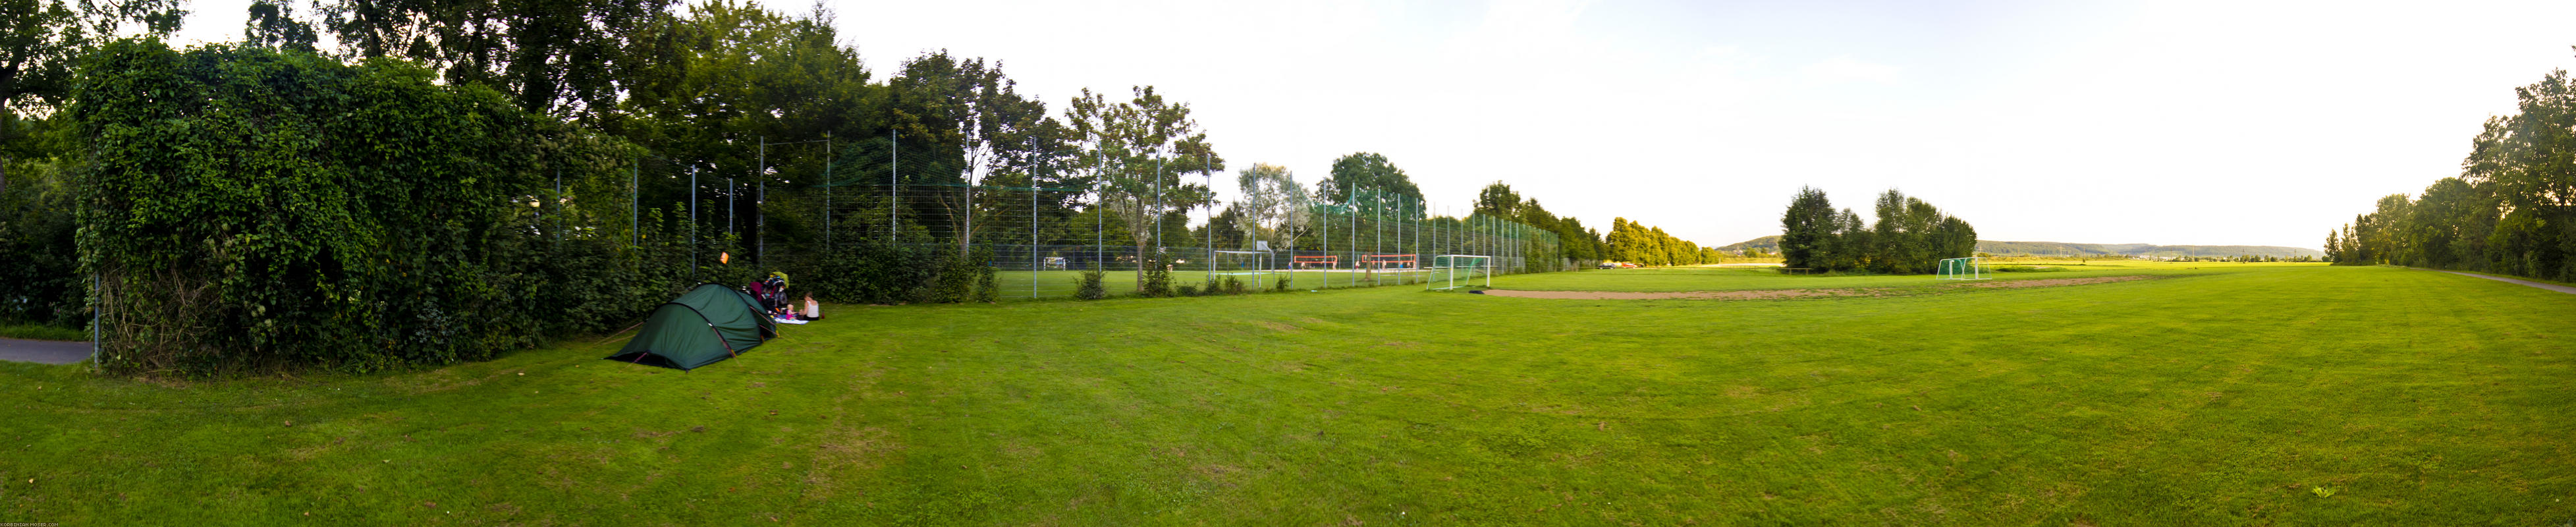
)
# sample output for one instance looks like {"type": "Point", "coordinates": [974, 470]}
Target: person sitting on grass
{"type": "Point", "coordinates": [813, 311]}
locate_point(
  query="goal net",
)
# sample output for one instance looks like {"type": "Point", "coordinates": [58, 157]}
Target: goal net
{"type": "Point", "coordinates": [1452, 271]}
{"type": "Point", "coordinates": [1970, 268]}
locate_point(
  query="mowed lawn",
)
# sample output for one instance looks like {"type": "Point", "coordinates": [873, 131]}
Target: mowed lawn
{"type": "Point", "coordinates": [2230, 395]}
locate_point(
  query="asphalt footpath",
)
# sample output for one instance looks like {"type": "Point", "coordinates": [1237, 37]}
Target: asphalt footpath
{"type": "Point", "coordinates": [44, 351]}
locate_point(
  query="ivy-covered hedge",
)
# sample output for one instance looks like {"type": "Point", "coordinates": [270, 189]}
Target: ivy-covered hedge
{"type": "Point", "coordinates": [252, 209]}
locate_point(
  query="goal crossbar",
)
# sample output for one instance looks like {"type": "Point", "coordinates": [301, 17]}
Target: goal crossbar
{"type": "Point", "coordinates": [1472, 264]}
{"type": "Point", "coordinates": [1969, 268]}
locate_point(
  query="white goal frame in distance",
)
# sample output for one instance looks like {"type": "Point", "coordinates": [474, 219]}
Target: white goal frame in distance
{"type": "Point", "coordinates": [1449, 266]}
{"type": "Point", "coordinates": [1970, 268]}
{"type": "Point", "coordinates": [1260, 268]}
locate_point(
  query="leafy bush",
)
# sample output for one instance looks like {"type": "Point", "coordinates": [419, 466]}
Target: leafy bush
{"type": "Point", "coordinates": [1158, 275]}
{"type": "Point", "coordinates": [254, 209]}
{"type": "Point", "coordinates": [987, 290]}
{"type": "Point", "coordinates": [1234, 286]}
{"type": "Point", "coordinates": [1090, 288]}
{"type": "Point", "coordinates": [44, 284]}
{"type": "Point", "coordinates": [1189, 290]}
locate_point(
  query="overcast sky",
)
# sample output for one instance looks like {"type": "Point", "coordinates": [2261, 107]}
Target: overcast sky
{"type": "Point", "coordinates": [2209, 123]}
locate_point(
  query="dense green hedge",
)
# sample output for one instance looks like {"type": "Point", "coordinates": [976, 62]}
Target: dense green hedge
{"type": "Point", "coordinates": [248, 209]}
{"type": "Point", "coordinates": [43, 284]}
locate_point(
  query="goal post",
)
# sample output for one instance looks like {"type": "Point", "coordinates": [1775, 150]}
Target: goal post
{"type": "Point", "coordinates": [1970, 268]}
{"type": "Point", "coordinates": [1460, 270]}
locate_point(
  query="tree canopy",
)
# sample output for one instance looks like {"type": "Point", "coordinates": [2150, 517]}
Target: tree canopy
{"type": "Point", "coordinates": [2511, 210]}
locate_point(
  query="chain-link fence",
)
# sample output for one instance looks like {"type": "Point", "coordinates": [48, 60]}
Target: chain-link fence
{"type": "Point", "coordinates": [832, 200]}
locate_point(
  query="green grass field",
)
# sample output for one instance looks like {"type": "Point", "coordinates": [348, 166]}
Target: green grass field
{"type": "Point", "coordinates": [2231, 394]}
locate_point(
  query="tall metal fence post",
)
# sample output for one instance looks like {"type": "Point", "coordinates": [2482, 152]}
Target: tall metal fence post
{"type": "Point", "coordinates": [693, 223]}
{"type": "Point", "coordinates": [760, 226]}
{"type": "Point", "coordinates": [96, 286]}
{"type": "Point", "coordinates": [827, 192]}
{"type": "Point", "coordinates": [895, 191]}
{"type": "Point", "coordinates": [1211, 223]}
{"type": "Point", "coordinates": [1034, 235]}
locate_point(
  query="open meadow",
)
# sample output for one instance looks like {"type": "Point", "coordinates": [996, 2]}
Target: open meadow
{"type": "Point", "coordinates": [2209, 394]}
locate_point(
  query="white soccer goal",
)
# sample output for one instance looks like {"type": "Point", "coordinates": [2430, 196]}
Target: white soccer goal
{"type": "Point", "coordinates": [1460, 270]}
{"type": "Point", "coordinates": [1251, 267]}
{"type": "Point", "coordinates": [1970, 268]}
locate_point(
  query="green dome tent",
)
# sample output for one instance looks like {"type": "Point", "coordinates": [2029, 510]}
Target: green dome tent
{"type": "Point", "coordinates": [707, 324]}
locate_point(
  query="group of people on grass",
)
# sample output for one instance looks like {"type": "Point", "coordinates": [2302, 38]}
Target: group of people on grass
{"type": "Point", "coordinates": [771, 291]}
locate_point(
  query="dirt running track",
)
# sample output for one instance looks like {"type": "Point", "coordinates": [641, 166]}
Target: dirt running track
{"type": "Point", "coordinates": [1786, 293]}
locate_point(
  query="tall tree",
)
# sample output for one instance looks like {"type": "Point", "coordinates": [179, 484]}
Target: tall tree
{"type": "Point", "coordinates": [557, 57]}
{"type": "Point", "coordinates": [1139, 149]}
{"type": "Point", "coordinates": [272, 23]}
{"type": "Point", "coordinates": [1806, 230]}
{"type": "Point", "coordinates": [1498, 199]}
{"type": "Point", "coordinates": [1365, 172]}
{"type": "Point", "coordinates": [1275, 203]}
{"type": "Point", "coordinates": [970, 107]}
{"type": "Point", "coordinates": [42, 40]}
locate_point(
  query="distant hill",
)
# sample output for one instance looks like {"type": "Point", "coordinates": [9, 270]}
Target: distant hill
{"type": "Point", "coordinates": [1772, 244]}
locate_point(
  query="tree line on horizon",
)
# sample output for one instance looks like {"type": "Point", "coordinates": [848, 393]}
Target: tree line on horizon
{"type": "Point", "coordinates": [1910, 237]}
{"type": "Point", "coordinates": [2512, 209]}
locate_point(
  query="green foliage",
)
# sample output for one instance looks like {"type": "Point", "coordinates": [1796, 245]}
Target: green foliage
{"type": "Point", "coordinates": [872, 271]}
{"type": "Point", "coordinates": [551, 57]}
{"type": "Point", "coordinates": [1155, 280]}
{"type": "Point", "coordinates": [1806, 229]}
{"type": "Point", "coordinates": [1911, 236]}
{"type": "Point", "coordinates": [1090, 287]}
{"type": "Point", "coordinates": [1636, 243]}
{"type": "Point", "coordinates": [2510, 211]}
{"type": "Point", "coordinates": [45, 285]}
{"type": "Point", "coordinates": [249, 208]}
{"type": "Point", "coordinates": [1139, 150]}
{"type": "Point", "coordinates": [1366, 171]}
{"type": "Point", "coordinates": [979, 262]}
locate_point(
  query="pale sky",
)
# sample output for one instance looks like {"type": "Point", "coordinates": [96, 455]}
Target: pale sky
{"type": "Point", "coordinates": [2167, 122]}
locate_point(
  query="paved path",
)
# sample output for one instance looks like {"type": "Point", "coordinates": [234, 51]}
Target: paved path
{"type": "Point", "coordinates": [2552, 287]}
{"type": "Point", "coordinates": [44, 351]}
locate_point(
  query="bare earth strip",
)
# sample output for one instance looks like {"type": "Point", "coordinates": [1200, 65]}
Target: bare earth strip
{"type": "Point", "coordinates": [1784, 293]}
